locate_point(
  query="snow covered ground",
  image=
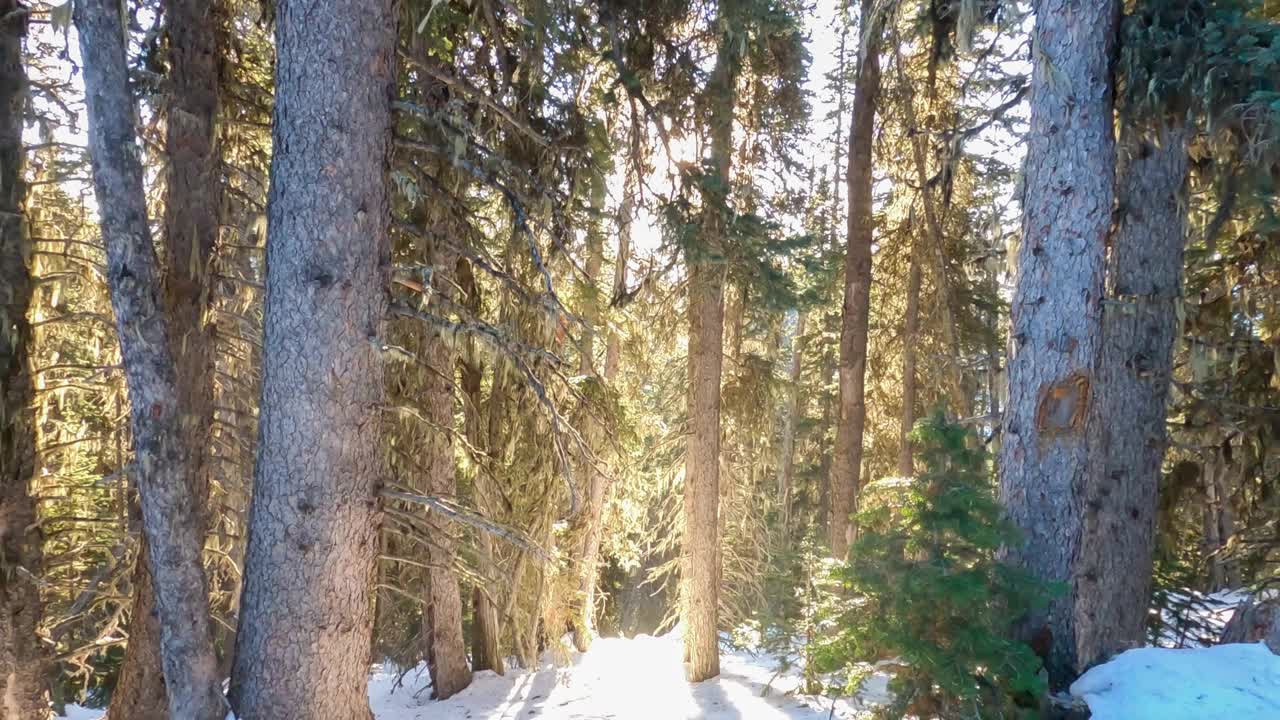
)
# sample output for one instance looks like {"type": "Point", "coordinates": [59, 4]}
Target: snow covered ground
{"type": "Point", "coordinates": [1225, 682]}
{"type": "Point", "coordinates": [642, 679]}
{"type": "Point", "coordinates": [618, 679]}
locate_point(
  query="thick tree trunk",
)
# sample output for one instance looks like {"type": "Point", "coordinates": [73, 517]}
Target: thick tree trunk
{"type": "Point", "coordinates": [446, 650]}
{"type": "Point", "coordinates": [706, 343]}
{"type": "Point", "coordinates": [140, 691]}
{"type": "Point", "coordinates": [172, 519]}
{"type": "Point", "coordinates": [303, 647]}
{"type": "Point", "coordinates": [1056, 313]}
{"type": "Point", "coordinates": [791, 416]}
{"type": "Point", "coordinates": [22, 663]}
{"type": "Point", "coordinates": [192, 215]}
{"type": "Point", "coordinates": [910, 338]}
{"type": "Point", "coordinates": [1140, 324]}
{"type": "Point", "coordinates": [702, 472]}
{"type": "Point", "coordinates": [855, 312]}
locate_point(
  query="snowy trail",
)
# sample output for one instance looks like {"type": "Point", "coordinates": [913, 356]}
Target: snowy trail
{"type": "Point", "coordinates": [618, 679]}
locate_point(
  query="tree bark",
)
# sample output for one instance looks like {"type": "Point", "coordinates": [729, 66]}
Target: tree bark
{"type": "Point", "coordinates": [1056, 312]}
{"type": "Point", "coordinates": [171, 514]}
{"type": "Point", "coordinates": [192, 216]}
{"type": "Point", "coordinates": [1140, 324]}
{"type": "Point", "coordinates": [910, 338]}
{"type": "Point", "coordinates": [855, 312]}
{"type": "Point", "coordinates": [706, 343]}
{"type": "Point", "coordinates": [1213, 468]}
{"type": "Point", "coordinates": [791, 416]}
{"type": "Point", "coordinates": [23, 693]}
{"type": "Point", "coordinates": [597, 482]}
{"type": "Point", "coordinates": [303, 647]}
{"type": "Point", "coordinates": [446, 650]}
{"type": "Point", "coordinates": [959, 399]}
{"type": "Point", "coordinates": [140, 691]}
{"type": "Point", "coordinates": [486, 651]}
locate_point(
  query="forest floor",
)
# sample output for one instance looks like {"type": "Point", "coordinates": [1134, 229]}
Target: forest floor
{"type": "Point", "coordinates": [642, 678]}
{"type": "Point", "coordinates": [618, 679]}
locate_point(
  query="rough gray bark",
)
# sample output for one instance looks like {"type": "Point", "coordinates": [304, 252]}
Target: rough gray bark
{"type": "Point", "coordinates": [701, 582]}
{"type": "Point", "coordinates": [446, 651]}
{"type": "Point", "coordinates": [172, 521]}
{"type": "Point", "coordinates": [1140, 323]}
{"type": "Point", "coordinates": [190, 230]}
{"type": "Point", "coordinates": [1056, 313]}
{"type": "Point", "coordinates": [303, 646]}
{"type": "Point", "coordinates": [23, 693]}
{"type": "Point", "coordinates": [140, 691]}
{"type": "Point", "coordinates": [855, 313]}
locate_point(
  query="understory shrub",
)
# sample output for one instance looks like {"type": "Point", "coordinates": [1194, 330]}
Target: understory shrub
{"type": "Point", "coordinates": [924, 593]}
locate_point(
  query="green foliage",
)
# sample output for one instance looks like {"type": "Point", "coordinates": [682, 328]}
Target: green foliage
{"type": "Point", "coordinates": [925, 588]}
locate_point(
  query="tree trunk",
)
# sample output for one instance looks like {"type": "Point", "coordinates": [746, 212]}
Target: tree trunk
{"type": "Point", "coordinates": [140, 691]}
{"type": "Point", "coordinates": [959, 399]}
{"type": "Point", "coordinates": [486, 652]}
{"type": "Point", "coordinates": [1140, 323]}
{"type": "Point", "coordinates": [22, 662]}
{"type": "Point", "coordinates": [791, 416]}
{"type": "Point", "coordinates": [1212, 529]}
{"type": "Point", "coordinates": [706, 343]}
{"type": "Point", "coordinates": [192, 216]}
{"type": "Point", "coordinates": [446, 650]}
{"type": "Point", "coordinates": [1056, 313]}
{"type": "Point", "coordinates": [626, 212]}
{"type": "Point", "coordinates": [172, 519]}
{"type": "Point", "coordinates": [303, 647]}
{"type": "Point", "coordinates": [910, 338]}
{"type": "Point", "coordinates": [597, 482]}
{"type": "Point", "coordinates": [855, 313]}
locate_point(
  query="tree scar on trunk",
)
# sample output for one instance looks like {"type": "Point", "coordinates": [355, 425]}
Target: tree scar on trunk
{"type": "Point", "coordinates": [1063, 406]}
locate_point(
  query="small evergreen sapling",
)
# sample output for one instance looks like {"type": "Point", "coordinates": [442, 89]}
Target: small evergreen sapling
{"type": "Point", "coordinates": [924, 589]}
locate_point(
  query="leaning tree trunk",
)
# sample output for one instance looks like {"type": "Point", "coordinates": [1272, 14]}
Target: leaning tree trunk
{"type": "Point", "coordinates": [172, 520]}
{"type": "Point", "coordinates": [1140, 323]}
{"type": "Point", "coordinates": [303, 646]}
{"type": "Point", "coordinates": [855, 313]}
{"type": "Point", "coordinates": [22, 683]}
{"type": "Point", "coordinates": [1056, 314]}
{"type": "Point", "coordinates": [191, 221]}
{"type": "Point", "coordinates": [701, 582]}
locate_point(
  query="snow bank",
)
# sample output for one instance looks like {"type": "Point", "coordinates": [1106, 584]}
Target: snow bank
{"type": "Point", "coordinates": [1226, 682]}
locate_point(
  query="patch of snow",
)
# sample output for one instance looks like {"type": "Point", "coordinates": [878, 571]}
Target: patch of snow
{"type": "Point", "coordinates": [75, 712]}
{"type": "Point", "coordinates": [1192, 619]}
{"type": "Point", "coordinates": [623, 679]}
{"type": "Point", "coordinates": [1225, 682]}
